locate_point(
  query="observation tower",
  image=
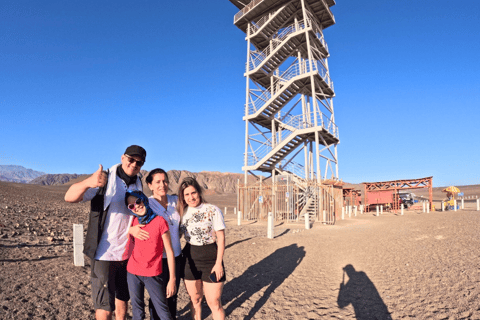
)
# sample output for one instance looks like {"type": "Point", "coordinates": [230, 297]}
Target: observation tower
{"type": "Point", "coordinates": [290, 129]}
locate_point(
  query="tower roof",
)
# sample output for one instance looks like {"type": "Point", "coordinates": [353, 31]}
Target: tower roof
{"type": "Point", "coordinates": [256, 8]}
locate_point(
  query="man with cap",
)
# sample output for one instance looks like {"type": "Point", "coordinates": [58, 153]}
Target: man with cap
{"type": "Point", "coordinates": [107, 232]}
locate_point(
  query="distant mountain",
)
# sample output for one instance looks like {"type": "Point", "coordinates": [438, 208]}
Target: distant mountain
{"type": "Point", "coordinates": [212, 182]}
{"type": "Point", "coordinates": [20, 174]}
{"type": "Point", "coordinates": [55, 179]}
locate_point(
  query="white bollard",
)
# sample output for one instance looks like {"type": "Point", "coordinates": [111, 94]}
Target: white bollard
{"type": "Point", "coordinates": [454, 205]}
{"type": "Point", "coordinates": [401, 206]}
{"type": "Point", "coordinates": [225, 213]}
{"type": "Point", "coordinates": [361, 209]}
{"type": "Point", "coordinates": [428, 207]}
{"type": "Point", "coordinates": [307, 221]}
{"type": "Point", "coordinates": [443, 206]}
{"type": "Point", "coordinates": [423, 203]}
{"type": "Point", "coordinates": [324, 216]}
{"type": "Point", "coordinates": [349, 208]}
{"type": "Point", "coordinates": [463, 206]}
{"type": "Point", "coordinates": [381, 209]}
{"type": "Point", "coordinates": [478, 204]}
{"type": "Point", "coordinates": [377, 211]}
{"type": "Point", "coordinates": [239, 218]}
{"type": "Point", "coordinates": [78, 259]}
{"type": "Point", "coordinates": [235, 211]}
{"type": "Point", "coordinates": [343, 213]}
{"type": "Point", "coordinates": [270, 226]}
{"type": "Point", "coordinates": [355, 211]}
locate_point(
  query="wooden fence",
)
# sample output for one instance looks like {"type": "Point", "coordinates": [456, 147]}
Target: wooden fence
{"type": "Point", "coordinates": [289, 201]}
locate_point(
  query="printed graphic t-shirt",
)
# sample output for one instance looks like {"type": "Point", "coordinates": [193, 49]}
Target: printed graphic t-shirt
{"type": "Point", "coordinates": [200, 223]}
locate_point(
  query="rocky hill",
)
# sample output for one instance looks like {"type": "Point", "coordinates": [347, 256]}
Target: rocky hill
{"type": "Point", "coordinates": [56, 179]}
{"type": "Point", "coordinates": [14, 173]}
{"type": "Point", "coordinates": [212, 182]}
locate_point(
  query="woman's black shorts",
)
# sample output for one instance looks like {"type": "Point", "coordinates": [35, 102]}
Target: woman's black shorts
{"type": "Point", "coordinates": [200, 261]}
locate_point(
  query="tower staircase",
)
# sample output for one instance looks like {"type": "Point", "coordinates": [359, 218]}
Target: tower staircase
{"type": "Point", "coordinates": [289, 92]}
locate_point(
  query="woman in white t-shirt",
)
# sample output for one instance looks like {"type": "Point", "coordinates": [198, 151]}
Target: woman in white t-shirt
{"type": "Point", "coordinates": [204, 230]}
{"type": "Point", "coordinates": [165, 205]}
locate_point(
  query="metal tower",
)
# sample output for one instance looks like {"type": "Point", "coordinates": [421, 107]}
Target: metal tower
{"type": "Point", "coordinates": [289, 117]}
{"type": "Point", "coordinates": [289, 107]}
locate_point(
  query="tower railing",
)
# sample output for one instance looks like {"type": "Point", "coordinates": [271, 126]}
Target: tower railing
{"type": "Point", "coordinates": [295, 123]}
{"type": "Point", "coordinates": [245, 9]}
{"type": "Point", "coordinates": [256, 26]}
{"type": "Point", "coordinates": [296, 69]}
{"type": "Point", "coordinates": [257, 58]}
{"type": "Point", "coordinates": [253, 4]}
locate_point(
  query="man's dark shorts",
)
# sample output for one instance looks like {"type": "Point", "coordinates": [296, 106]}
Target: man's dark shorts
{"type": "Point", "coordinates": [109, 281]}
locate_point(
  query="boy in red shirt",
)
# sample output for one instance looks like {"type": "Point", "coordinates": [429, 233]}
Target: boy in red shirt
{"type": "Point", "coordinates": [145, 258]}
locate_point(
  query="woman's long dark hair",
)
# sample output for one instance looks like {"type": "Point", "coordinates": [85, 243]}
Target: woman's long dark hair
{"type": "Point", "coordinates": [187, 182]}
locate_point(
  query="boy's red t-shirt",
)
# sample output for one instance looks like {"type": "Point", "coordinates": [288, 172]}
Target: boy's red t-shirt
{"type": "Point", "coordinates": [146, 255]}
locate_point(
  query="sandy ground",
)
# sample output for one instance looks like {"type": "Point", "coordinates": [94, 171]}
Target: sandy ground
{"type": "Point", "coordinates": [417, 266]}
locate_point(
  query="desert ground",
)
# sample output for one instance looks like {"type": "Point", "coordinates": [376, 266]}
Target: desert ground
{"type": "Point", "coordinates": [412, 266]}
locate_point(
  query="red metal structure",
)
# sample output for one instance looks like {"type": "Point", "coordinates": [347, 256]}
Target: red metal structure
{"type": "Point", "coordinates": [351, 197]}
{"type": "Point", "coordinates": [386, 192]}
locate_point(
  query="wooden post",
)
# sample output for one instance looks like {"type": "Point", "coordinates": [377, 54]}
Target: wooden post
{"type": "Point", "coordinates": [401, 206]}
{"type": "Point", "coordinates": [270, 226]}
{"type": "Point", "coordinates": [239, 218]}
{"type": "Point", "coordinates": [238, 194]}
{"type": "Point", "coordinates": [78, 259]}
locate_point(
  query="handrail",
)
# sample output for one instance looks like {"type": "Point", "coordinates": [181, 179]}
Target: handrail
{"type": "Point", "coordinates": [256, 58]}
{"type": "Point", "coordinates": [297, 123]}
{"type": "Point", "coordinates": [294, 70]}
{"type": "Point", "coordinates": [245, 9]}
{"type": "Point", "coordinates": [256, 26]}
{"type": "Point", "coordinates": [296, 168]}
{"type": "Point", "coordinates": [259, 24]}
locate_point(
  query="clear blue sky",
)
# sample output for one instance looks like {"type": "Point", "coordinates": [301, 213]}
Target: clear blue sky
{"type": "Point", "coordinates": [82, 80]}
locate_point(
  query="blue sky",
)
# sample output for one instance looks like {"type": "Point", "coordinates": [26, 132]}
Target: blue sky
{"type": "Point", "coordinates": [82, 80]}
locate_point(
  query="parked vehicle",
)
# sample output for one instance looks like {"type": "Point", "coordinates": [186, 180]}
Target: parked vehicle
{"type": "Point", "coordinates": [408, 199]}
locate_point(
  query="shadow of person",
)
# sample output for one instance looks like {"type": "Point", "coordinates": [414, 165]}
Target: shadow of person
{"type": "Point", "coordinates": [268, 273]}
{"type": "Point", "coordinates": [362, 294]}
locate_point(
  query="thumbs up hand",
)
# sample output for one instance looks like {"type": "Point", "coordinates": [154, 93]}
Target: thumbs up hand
{"type": "Point", "coordinates": [98, 178]}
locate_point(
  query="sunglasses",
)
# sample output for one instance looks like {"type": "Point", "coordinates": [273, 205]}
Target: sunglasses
{"type": "Point", "coordinates": [131, 206]}
{"type": "Point", "coordinates": [132, 160]}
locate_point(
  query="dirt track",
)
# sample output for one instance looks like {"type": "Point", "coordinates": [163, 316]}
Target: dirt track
{"type": "Point", "coordinates": [418, 266]}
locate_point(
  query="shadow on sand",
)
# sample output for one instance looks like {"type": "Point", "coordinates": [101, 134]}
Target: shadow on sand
{"type": "Point", "coordinates": [362, 294]}
{"type": "Point", "coordinates": [237, 242]}
{"type": "Point", "coordinates": [267, 275]}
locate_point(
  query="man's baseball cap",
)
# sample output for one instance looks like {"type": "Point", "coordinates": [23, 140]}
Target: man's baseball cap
{"type": "Point", "coordinates": [135, 150]}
